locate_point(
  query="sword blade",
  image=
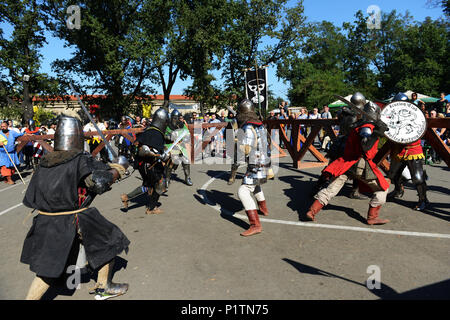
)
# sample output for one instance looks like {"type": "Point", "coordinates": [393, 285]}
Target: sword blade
{"type": "Point", "coordinates": [355, 108]}
{"type": "Point", "coordinates": [176, 141]}
{"type": "Point", "coordinates": [93, 122]}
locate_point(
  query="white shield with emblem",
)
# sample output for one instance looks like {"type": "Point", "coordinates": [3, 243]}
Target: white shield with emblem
{"type": "Point", "coordinates": [406, 122]}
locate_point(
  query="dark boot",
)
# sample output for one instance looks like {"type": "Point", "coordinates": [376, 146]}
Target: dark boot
{"type": "Point", "coordinates": [187, 174]}
{"type": "Point", "coordinates": [356, 195]}
{"type": "Point", "coordinates": [234, 169]}
{"type": "Point", "coordinates": [372, 216]}
{"type": "Point", "coordinates": [313, 210]}
{"type": "Point", "coordinates": [399, 190]}
{"type": "Point", "coordinates": [255, 225]}
{"type": "Point", "coordinates": [168, 176]}
{"type": "Point", "coordinates": [263, 207]}
{"type": "Point", "coordinates": [423, 201]}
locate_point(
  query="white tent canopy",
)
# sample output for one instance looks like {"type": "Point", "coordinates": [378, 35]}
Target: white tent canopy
{"type": "Point", "coordinates": [339, 102]}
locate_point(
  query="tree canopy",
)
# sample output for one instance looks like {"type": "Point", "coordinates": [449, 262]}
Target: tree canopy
{"type": "Point", "coordinates": [123, 50]}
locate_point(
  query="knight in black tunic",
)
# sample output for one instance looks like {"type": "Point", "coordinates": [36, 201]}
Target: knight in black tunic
{"type": "Point", "coordinates": [149, 160]}
{"type": "Point", "coordinates": [61, 189]}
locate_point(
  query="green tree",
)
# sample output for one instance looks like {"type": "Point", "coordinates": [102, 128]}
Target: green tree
{"type": "Point", "coordinates": [113, 56]}
{"type": "Point", "coordinates": [260, 30]}
{"type": "Point", "coordinates": [20, 56]}
{"type": "Point", "coordinates": [422, 58]}
{"type": "Point", "coordinates": [316, 72]}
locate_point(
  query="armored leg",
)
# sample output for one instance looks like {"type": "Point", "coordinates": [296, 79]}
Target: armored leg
{"type": "Point", "coordinates": [126, 197]}
{"type": "Point", "coordinates": [105, 288]}
{"type": "Point", "coordinates": [418, 178]}
{"type": "Point", "coordinates": [152, 207]}
{"type": "Point", "coordinates": [234, 169]}
{"type": "Point", "coordinates": [395, 174]}
{"type": "Point", "coordinates": [187, 173]}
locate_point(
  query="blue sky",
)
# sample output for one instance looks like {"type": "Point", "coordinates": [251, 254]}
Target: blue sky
{"type": "Point", "coordinates": [315, 10]}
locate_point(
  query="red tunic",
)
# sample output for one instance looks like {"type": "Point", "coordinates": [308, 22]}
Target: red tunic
{"type": "Point", "coordinates": [352, 153]}
{"type": "Point", "coordinates": [412, 151]}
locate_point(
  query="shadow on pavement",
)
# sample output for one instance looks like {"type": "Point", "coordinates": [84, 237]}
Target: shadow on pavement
{"type": "Point", "coordinates": [433, 208]}
{"type": "Point", "coordinates": [59, 288]}
{"type": "Point", "coordinates": [222, 175]}
{"type": "Point", "coordinates": [228, 204]}
{"type": "Point", "coordinates": [439, 290]}
{"type": "Point", "coordinates": [301, 197]}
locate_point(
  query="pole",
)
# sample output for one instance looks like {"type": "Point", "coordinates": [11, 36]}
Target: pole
{"type": "Point", "coordinates": [93, 122]}
{"type": "Point", "coordinates": [257, 86]}
{"type": "Point", "coordinates": [13, 164]}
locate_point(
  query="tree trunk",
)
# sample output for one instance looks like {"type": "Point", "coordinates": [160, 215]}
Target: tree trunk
{"type": "Point", "coordinates": [27, 104]}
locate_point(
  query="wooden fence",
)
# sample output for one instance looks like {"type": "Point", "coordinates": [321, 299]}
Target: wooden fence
{"type": "Point", "coordinates": [300, 145]}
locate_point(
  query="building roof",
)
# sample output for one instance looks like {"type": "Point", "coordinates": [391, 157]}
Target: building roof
{"type": "Point", "coordinates": [97, 96]}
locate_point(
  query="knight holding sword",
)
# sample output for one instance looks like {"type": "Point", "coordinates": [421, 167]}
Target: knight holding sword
{"type": "Point", "coordinates": [357, 162]}
{"type": "Point", "coordinates": [67, 231]}
{"type": "Point", "coordinates": [150, 159]}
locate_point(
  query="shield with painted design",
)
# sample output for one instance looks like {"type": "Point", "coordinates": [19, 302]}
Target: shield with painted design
{"type": "Point", "coordinates": [406, 122]}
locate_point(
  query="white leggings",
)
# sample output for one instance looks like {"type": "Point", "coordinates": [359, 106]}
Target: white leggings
{"type": "Point", "coordinates": [245, 195]}
{"type": "Point", "coordinates": [324, 196]}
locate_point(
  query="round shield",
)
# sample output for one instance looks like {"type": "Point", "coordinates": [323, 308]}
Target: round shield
{"type": "Point", "coordinates": [406, 122]}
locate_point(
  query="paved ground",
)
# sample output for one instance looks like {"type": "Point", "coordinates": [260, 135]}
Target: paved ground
{"type": "Point", "coordinates": [194, 250]}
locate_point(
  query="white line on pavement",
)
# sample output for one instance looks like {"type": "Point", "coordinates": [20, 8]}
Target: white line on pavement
{"type": "Point", "coordinates": [11, 208]}
{"type": "Point", "coordinates": [17, 184]}
{"type": "Point", "coordinates": [217, 207]}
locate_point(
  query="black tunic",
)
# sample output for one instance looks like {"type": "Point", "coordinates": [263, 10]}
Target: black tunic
{"type": "Point", "coordinates": [152, 137]}
{"type": "Point", "coordinates": [152, 178]}
{"type": "Point", "coordinates": [54, 188]}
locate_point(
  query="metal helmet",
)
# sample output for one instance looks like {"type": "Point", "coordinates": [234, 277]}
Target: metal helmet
{"type": "Point", "coordinates": [69, 134]}
{"type": "Point", "coordinates": [372, 109]}
{"type": "Point", "coordinates": [246, 106]}
{"type": "Point", "coordinates": [358, 100]}
{"type": "Point", "coordinates": [161, 119]}
{"type": "Point", "coordinates": [400, 97]}
{"type": "Point", "coordinates": [175, 119]}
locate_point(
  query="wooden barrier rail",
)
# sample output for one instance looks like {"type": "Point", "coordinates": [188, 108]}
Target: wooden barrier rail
{"type": "Point", "coordinates": [297, 150]}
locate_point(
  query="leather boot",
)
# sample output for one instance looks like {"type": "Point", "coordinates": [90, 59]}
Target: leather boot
{"type": "Point", "coordinates": [125, 200]}
{"type": "Point", "coordinates": [168, 177]}
{"type": "Point", "coordinates": [313, 210]}
{"type": "Point", "coordinates": [155, 210]}
{"type": "Point", "coordinates": [372, 216]}
{"type": "Point", "coordinates": [9, 180]}
{"type": "Point", "coordinates": [187, 174]}
{"type": "Point", "coordinates": [255, 225]}
{"type": "Point", "coordinates": [263, 208]}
